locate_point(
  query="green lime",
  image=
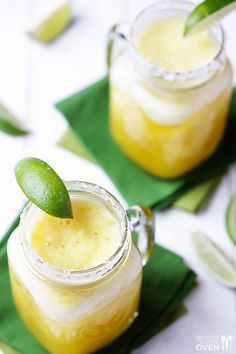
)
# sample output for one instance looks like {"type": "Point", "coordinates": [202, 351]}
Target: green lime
{"type": "Point", "coordinates": [9, 123]}
{"type": "Point", "coordinates": [54, 24]}
{"type": "Point", "coordinates": [206, 13]}
{"type": "Point", "coordinates": [230, 219]}
{"type": "Point", "coordinates": [215, 260]}
{"type": "Point", "coordinates": [41, 184]}
{"type": "Point", "coordinates": [11, 129]}
{"type": "Point", "coordinates": [197, 197]}
{"type": "Point", "coordinates": [5, 349]}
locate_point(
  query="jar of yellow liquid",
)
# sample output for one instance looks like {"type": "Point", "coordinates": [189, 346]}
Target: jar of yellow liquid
{"type": "Point", "coordinates": [169, 94]}
{"type": "Point", "coordinates": [76, 282]}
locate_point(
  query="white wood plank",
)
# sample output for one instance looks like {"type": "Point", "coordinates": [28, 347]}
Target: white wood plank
{"type": "Point", "coordinates": [73, 61]}
{"type": "Point", "coordinates": [13, 87]}
{"type": "Point", "coordinates": [69, 63]}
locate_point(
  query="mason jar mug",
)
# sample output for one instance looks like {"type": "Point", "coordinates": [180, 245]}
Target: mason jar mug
{"type": "Point", "coordinates": [166, 121]}
{"type": "Point", "coordinates": [78, 312]}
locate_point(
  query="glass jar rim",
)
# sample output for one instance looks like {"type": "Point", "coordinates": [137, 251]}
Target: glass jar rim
{"type": "Point", "coordinates": [78, 277]}
{"type": "Point", "coordinates": [176, 75]}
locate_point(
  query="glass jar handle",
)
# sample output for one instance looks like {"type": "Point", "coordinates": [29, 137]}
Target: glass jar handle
{"type": "Point", "coordinates": [142, 222]}
{"type": "Point", "coordinates": [118, 31]}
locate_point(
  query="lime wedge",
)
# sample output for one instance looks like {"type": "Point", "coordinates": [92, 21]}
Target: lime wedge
{"type": "Point", "coordinates": [230, 219]}
{"type": "Point", "coordinates": [71, 142]}
{"type": "Point", "coordinates": [54, 24]}
{"type": "Point", "coordinates": [197, 197]}
{"type": "Point", "coordinates": [215, 260]}
{"type": "Point", "coordinates": [43, 187]}
{"type": "Point", "coordinates": [11, 129]}
{"type": "Point", "coordinates": [206, 13]}
{"type": "Point", "coordinates": [9, 123]}
{"type": "Point", "coordinates": [5, 349]}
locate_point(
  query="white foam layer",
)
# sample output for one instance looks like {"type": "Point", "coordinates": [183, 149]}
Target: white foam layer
{"type": "Point", "coordinates": [62, 305]}
{"type": "Point", "coordinates": [162, 107]}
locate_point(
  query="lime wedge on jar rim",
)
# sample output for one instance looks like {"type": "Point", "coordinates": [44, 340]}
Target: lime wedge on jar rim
{"type": "Point", "coordinates": [215, 260]}
{"type": "Point", "coordinates": [206, 13]}
{"type": "Point", "coordinates": [54, 24]}
{"type": "Point", "coordinates": [43, 187]}
{"type": "Point", "coordinates": [230, 219]}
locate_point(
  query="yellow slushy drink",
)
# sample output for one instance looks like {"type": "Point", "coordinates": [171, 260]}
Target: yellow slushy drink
{"type": "Point", "coordinates": [169, 95]}
{"type": "Point", "coordinates": [80, 296]}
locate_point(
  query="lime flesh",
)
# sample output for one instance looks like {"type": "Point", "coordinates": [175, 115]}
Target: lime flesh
{"type": "Point", "coordinates": [54, 24]}
{"type": "Point", "coordinates": [206, 13]}
{"type": "Point", "coordinates": [230, 219]}
{"type": "Point", "coordinates": [215, 260]}
{"type": "Point", "coordinates": [43, 187]}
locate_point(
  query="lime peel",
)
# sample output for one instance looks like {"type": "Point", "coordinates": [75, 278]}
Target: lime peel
{"type": "Point", "coordinates": [215, 260]}
{"type": "Point", "coordinates": [43, 187]}
{"type": "Point", "coordinates": [9, 124]}
{"type": "Point", "coordinates": [12, 129]}
{"type": "Point", "coordinates": [230, 219]}
{"type": "Point", "coordinates": [206, 13]}
{"type": "Point", "coordinates": [54, 24]}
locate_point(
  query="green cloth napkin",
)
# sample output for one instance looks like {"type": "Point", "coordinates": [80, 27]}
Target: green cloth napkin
{"type": "Point", "coordinates": [87, 115]}
{"type": "Point", "coordinates": [192, 201]}
{"type": "Point", "coordinates": [166, 281]}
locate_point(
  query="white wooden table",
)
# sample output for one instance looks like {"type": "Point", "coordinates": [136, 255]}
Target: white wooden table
{"type": "Point", "coordinates": [33, 76]}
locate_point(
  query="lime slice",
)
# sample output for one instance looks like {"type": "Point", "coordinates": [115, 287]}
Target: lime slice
{"type": "Point", "coordinates": [197, 197]}
{"type": "Point", "coordinates": [9, 123]}
{"type": "Point", "coordinates": [54, 24]}
{"type": "Point", "coordinates": [206, 13]}
{"type": "Point", "coordinates": [11, 129]}
{"type": "Point", "coordinates": [230, 219]}
{"type": "Point", "coordinates": [5, 349]}
{"type": "Point", "coordinates": [71, 142]}
{"type": "Point", "coordinates": [215, 260]}
{"type": "Point", "coordinates": [43, 187]}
